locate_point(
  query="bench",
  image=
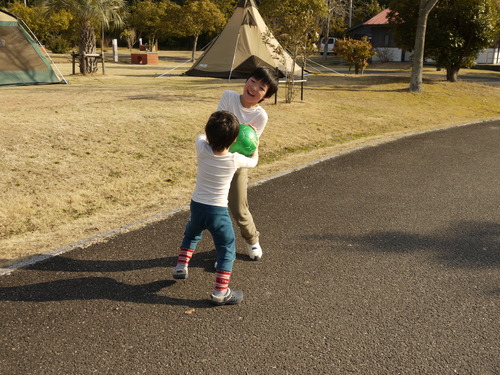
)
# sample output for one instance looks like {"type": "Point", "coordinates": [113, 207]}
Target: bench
{"type": "Point", "coordinates": [98, 56]}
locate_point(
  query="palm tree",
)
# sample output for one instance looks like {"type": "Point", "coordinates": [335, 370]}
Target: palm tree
{"type": "Point", "coordinates": [90, 14]}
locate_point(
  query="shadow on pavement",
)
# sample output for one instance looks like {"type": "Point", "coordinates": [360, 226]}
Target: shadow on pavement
{"type": "Point", "coordinates": [106, 288]}
{"type": "Point", "coordinates": [66, 264]}
{"type": "Point", "coordinates": [466, 244]}
{"type": "Point", "coordinates": [202, 259]}
{"type": "Point", "coordinates": [95, 288]}
{"type": "Point", "coordinates": [90, 288]}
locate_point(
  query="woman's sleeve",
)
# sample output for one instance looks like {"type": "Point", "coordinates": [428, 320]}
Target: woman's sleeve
{"type": "Point", "coordinates": [223, 102]}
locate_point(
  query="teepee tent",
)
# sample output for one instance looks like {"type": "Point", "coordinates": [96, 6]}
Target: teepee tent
{"type": "Point", "coordinates": [22, 61]}
{"type": "Point", "coordinates": [241, 47]}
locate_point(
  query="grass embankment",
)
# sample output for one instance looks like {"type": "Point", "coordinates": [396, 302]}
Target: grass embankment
{"type": "Point", "coordinates": [104, 151]}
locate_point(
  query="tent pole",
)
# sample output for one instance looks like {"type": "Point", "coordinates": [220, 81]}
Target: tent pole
{"type": "Point", "coordinates": [198, 59]}
{"type": "Point", "coordinates": [234, 56]}
{"type": "Point", "coordinates": [164, 74]}
{"type": "Point", "coordinates": [324, 67]}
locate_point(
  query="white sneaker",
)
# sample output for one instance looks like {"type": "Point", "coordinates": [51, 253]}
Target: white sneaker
{"type": "Point", "coordinates": [230, 298]}
{"type": "Point", "coordinates": [254, 251]}
{"type": "Point", "coordinates": [180, 272]}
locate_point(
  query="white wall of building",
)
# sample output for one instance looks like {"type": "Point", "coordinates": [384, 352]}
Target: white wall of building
{"type": "Point", "coordinates": [489, 56]}
{"type": "Point", "coordinates": [386, 54]}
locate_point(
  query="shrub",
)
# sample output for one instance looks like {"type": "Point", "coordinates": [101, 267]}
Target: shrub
{"type": "Point", "coordinates": [384, 54]}
{"type": "Point", "coordinates": [355, 52]}
{"type": "Point", "coordinates": [58, 44]}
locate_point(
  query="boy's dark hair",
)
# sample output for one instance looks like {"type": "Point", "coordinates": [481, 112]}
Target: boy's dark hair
{"type": "Point", "coordinates": [222, 129]}
{"type": "Point", "coordinates": [269, 77]}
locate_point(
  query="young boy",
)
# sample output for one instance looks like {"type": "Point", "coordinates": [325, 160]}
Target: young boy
{"type": "Point", "coordinates": [262, 84]}
{"type": "Point", "coordinates": [209, 208]}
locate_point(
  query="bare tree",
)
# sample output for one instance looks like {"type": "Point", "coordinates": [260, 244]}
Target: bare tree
{"type": "Point", "coordinates": [418, 51]}
{"type": "Point", "coordinates": [336, 8]}
{"type": "Point", "coordinates": [295, 25]}
{"type": "Point", "coordinates": [201, 16]}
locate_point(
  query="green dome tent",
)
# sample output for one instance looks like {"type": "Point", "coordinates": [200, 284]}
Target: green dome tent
{"type": "Point", "coordinates": [22, 61]}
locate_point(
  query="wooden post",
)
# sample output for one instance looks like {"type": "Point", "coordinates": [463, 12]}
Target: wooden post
{"type": "Point", "coordinates": [276, 94]}
{"type": "Point", "coordinates": [302, 84]}
{"type": "Point", "coordinates": [84, 64]}
{"type": "Point", "coordinates": [102, 60]}
{"type": "Point", "coordinates": [73, 60]}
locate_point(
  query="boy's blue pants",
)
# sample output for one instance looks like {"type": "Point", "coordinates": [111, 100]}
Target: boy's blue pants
{"type": "Point", "coordinates": [218, 222]}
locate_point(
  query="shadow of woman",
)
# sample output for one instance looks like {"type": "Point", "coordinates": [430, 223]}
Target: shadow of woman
{"type": "Point", "coordinates": [96, 288]}
{"type": "Point", "coordinates": [66, 264]}
{"type": "Point", "coordinates": [202, 259]}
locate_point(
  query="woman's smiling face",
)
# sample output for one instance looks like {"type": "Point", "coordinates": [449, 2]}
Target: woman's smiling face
{"type": "Point", "coordinates": [253, 92]}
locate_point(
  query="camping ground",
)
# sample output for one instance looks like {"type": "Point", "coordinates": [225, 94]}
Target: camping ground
{"type": "Point", "coordinates": [108, 150]}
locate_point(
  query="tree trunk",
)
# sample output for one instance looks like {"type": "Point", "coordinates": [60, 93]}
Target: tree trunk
{"type": "Point", "coordinates": [290, 82]}
{"type": "Point", "coordinates": [452, 73]}
{"type": "Point", "coordinates": [328, 20]}
{"type": "Point", "coordinates": [87, 45]}
{"type": "Point", "coordinates": [418, 50]}
{"type": "Point", "coordinates": [194, 47]}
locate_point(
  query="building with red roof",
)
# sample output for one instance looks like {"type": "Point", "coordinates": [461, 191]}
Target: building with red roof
{"type": "Point", "coordinates": [379, 33]}
{"type": "Point", "coordinates": [376, 29]}
{"type": "Point", "coordinates": [379, 19]}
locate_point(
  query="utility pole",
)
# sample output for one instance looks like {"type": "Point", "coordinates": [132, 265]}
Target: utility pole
{"type": "Point", "coordinates": [350, 13]}
{"type": "Point", "coordinates": [327, 36]}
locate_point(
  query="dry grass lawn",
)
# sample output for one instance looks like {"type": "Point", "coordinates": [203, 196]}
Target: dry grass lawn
{"type": "Point", "coordinates": [107, 150]}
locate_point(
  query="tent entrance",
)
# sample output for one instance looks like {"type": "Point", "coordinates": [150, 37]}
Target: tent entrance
{"type": "Point", "coordinates": [22, 61]}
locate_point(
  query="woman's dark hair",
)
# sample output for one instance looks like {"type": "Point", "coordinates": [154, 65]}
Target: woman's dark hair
{"type": "Point", "coordinates": [222, 129]}
{"type": "Point", "coordinates": [269, 77]}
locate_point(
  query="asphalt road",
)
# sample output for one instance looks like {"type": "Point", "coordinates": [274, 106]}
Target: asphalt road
{"type": "Point", "coordinates": [385, 260]}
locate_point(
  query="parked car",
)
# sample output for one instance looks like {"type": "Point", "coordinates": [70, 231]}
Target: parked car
{"type": "Point", "coordinates": [331, 45]}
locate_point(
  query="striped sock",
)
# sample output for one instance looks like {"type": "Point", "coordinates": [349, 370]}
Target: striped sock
{"type": "Point", "coordinates": [185, 256]}
{"type": "Point", "coordinates": [221, 282]}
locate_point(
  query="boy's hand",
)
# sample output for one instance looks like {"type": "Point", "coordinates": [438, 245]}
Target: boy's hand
{"type": "Point", "coordinates": [253, 127]}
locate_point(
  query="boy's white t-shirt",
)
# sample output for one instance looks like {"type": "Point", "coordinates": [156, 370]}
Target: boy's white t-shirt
{"type": "Point", "coordinates": [215, 173]}
{"type": "Point", "coordinates": [256, 116]}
